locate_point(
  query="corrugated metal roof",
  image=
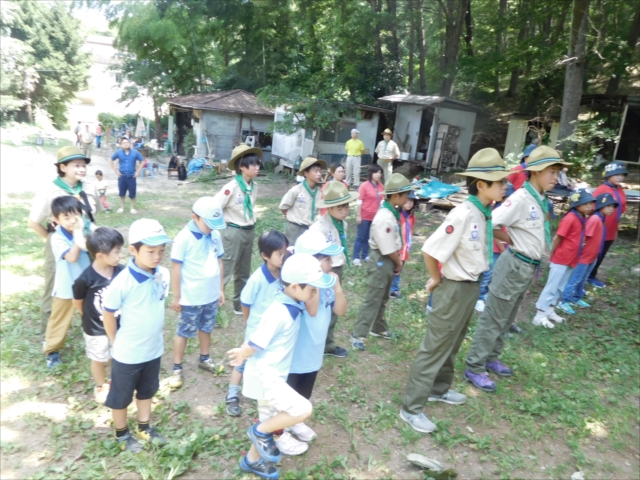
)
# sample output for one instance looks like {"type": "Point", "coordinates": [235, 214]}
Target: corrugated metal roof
{"type": "Point", "coordinates": [425, 100]}
{"type": "Point", "coordinates": [238, 101]}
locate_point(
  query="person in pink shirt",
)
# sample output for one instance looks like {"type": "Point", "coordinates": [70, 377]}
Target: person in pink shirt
{"type": "Point", "coordinates": [371, 195]}
{"type": "Point", "coordinates": [337, 173]}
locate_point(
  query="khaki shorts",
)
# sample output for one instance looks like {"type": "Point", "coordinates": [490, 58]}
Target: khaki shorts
{"type": "Point", "coordinates": [97, 347]}
{"type": "Point", "coordinates": [282, 398]}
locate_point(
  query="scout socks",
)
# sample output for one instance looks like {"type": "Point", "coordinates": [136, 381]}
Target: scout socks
{"type": "Point", "coordinates": [121, 432]}
{"type": "Point", "coordinates": [143, 426]}
{"type": "Point", "coordinates": [204, 358]}
{"type": "Point", "coordinates": [177, 366]}
{"type": "Point", "coordinates": [233, 390]}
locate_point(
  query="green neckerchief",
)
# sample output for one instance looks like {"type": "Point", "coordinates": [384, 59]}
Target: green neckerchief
{"type": "Point", "coordinates": [247, 190]}
{"type": "Point", "coordinates": [339, 224]}
{"type": "Point", "coordinates": [58, 182]}
{"type": "Point", "coordinates": [396, 214]}
{"type": "Point", "coordinates": [313, 198]}
{"type": "Point", "coordinates": [486, 211]}
{"type": "Point", "coordinates": [545, 209]}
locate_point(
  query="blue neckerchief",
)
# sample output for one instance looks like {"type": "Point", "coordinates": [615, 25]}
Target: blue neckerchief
{"type": "Point", "coordinates": [407, 226]}
{"type": "Point", "coordinates": [295, 308]}
{"type": "Point", "coordinates": [193, 228]}
{"type": "Point", "coordinates": [66, 232]}
{"type": "Point", "coordinates": [267, 274]}
{"type": "Point", "coordinates": [618, 199]}
{"type": "Point", "coordinates": [583, 221]}
{"type": "Point", "coordinates": [604, 232]}
{"type": "Point", "coordinates": [159, 285]}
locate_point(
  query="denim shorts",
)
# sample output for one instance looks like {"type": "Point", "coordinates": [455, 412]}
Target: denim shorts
{"type": "Point", "coordinates": [240, 369]}
{"type": "Point", "coordinates": [143, 378]}
{"type": "Point", "coordinates": [127, 183]}
{"type": "Point", "coordinates": [197, 317]}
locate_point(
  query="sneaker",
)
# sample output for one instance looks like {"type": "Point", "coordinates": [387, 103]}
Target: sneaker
{"type": "Point", "coordinates": [176, 379]}
{"type": "Point", "coordinates": [129, 443]}
{"type": "Point", "coordinates": [480, 306]}
{"type": "Point", "coordinates": [499, 368]}
{"type": "Point", "coordinates": [107, 211]}
{"type": "Point", "coordinates": [420, 423]}
{"type": "Point", "coordinates": [237, 312]}
{"type": "Point", "coordinates": [366, 259]}
{"type": "Point", "coordinates": [451, 397]}
{"type": "Point", "coordinates": [515, 329]}
{"type": "Point", "coordinates": [565, 307]}
{"type": "Point", "coordinates": [541, 320]}
{"type": "Point", "coordinates": [396, 295]}
{"type": "Point", "coordinates": [303, 432]}
{"type": "Point", "coordinates": [357, 262]}
{"type": "Point", "coordinates": [53, 360]}
{"type": "Point", "coordinates": [261, 469]}
{"type": "Point", "coordinates": [211, 366]}
{"type": "Point", "coordinates": [481, 381]}
{"type": "Point", "coordinates": [386, 335]}
{"type": "Point", "coordinates": [133, 211]}
{"type": "Point", "coordinates": [120, 210]}
{"type": "Point", "coordinates": [428, 309]}
{"type": "Point", "coordinates": [582, 303]}
{"type": "Point", "coordinates": [265, 444]}
{"type": "Point", "coordinates": [289, 445]}
{"type": "Point", "coordinates": [233, 406]}
{"type": "Point", "coordinates": [552, 315]}
{"type": "Point", "coordinates": [151, 435]}
{"type": "Point", "coordinates": [596, 283]}
{"type": "Point", "coordinates": [357, 343]}
{"type": "Point", "coordinates": [338, 352]}
{"type": "Point", "coordinates": [100, 393]}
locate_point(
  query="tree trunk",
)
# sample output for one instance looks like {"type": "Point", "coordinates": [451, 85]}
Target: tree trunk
{"type": "Point", "coordinates": [420, 26]}
{"type": "Point", "coordinates": [454, 13]}
{"type": "Point", "coordinates": [515, 73]}
{"type": "Point", "coordinates": [634, 33]}
{"type": "Point", "coordinates": [157, 120]}
{"type": "Point", "coordinates": [498, 48]}
{"type": "Point", "coordinates": [468, 38]}
{"type": "Point", "coordinates": [394, 48]}
{"type": "Point", "coordinates": [376, 6]}
{"type": "Point", "coordinates": [412, 42]}
{"type": "Point", "coordinates": [574, 75]}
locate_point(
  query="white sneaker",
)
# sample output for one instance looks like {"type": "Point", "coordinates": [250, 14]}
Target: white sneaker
{"type": "Point", "coordinates": [120, 210]}
{"type": "Point", "coordinates": [133, 211]}
{"type": "Point", "coordinates": [366, 259]}
{"type": "Point", "coordinates": [552, 315]}
{"type": "Point", "coordinates": [237, 312]}
{"type": "Point", "coordinates": [480, 306]}
{"type": "Point", "coordinates": [289, 445]}
{"type": "Point", "coordinates": [303, 432]}
{"type": "Point", "coordinates": [357, 263]}
{"type": "Point", "coordinates": [541, 320]}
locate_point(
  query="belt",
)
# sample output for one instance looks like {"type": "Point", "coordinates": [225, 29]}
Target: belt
{"type": "Point", "coordinates": [241, 227]}
{"type": "Point", "coordinates": [524, 258]}
{"type": "Point", "coordinates": [461, 281]}
{"type": "Point", "coordinates": [298, 224]}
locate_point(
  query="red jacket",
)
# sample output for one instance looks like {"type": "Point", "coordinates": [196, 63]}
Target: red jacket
{"type": "Point", "coordinates": [612, 222]}
{"type": "Point", "coordinates": [406, 229]}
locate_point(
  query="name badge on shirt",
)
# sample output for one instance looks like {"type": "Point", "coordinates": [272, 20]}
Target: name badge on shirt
{"type": "Point", "coordinates": [240, 199]}
{"type": "Point", "coordinates": [533, 213]}
{"type": "Point", "coordinates": [475, 234]}
{"type": "Point", "coordinates": [330, 236]}
{"type": "Point", "coordinates": [301, 198]}
{"type": "Point", "coordinates": [327, 301]}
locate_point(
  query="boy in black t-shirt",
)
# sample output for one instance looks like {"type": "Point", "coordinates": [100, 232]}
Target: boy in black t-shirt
{"type": "Point", "coordinates": [104, 245]}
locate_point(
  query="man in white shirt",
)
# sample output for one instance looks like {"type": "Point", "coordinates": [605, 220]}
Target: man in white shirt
{"type": "Point", "coordinates": [387, 151]}
{"type": "Point", "coordinates": [87, 138]}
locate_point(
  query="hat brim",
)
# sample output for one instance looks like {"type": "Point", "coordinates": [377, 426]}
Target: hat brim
{"type": "Point", "coordinates": [544, 163]}
{"type": "Point", "coordinates": [407, 188]}
{"type": "Point", "coordinates": [332, 251]}
{"type": "Point", "coordinates": [619, 172]}
{"type": "Point", "coordinates": [579, 203]}
{"type": "Point", "coordinates": [71, 158]}
{"type": "Point", "coordinates": [215, 224]}
{"type": "Point", "coordinates": [231, 164]}
{"type": "Point", "coordinates": [606, 204]}
{"type": "Point", "coordinates": [351, 197]}
{"type": "Point", "coordinates": [156, 241]}
{"type": "Point", "coordinates": [488, 176]}
{"type": "Point", "coordinates": [321, 162]}
{"type": "Point", "coordinates": [325, 281]}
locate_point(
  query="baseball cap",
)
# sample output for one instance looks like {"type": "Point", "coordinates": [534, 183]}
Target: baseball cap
{"type": "Point", "coordinates": [355, 130]}
{"type": "Point", "coordinates": [315, 243]}
{"type": "Point", "coordinates": [304, 268]}
{"type": "Point", "coordinates": [148, 232]}
{"type": "Point", "coordinates": [206, 208]}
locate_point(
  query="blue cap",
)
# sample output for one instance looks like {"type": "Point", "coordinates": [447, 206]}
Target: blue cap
{"type": "Point", "coordinates": [580, 197]}
{"type": "Point", "coordinates": [412, 195]}
{"type": "Point", "coordinates": [614, 168]}
{"type": "Point", "coordinates": [315, 243]}
{"type": "Point", "coordinates": [604, 200]}
{"type": "Point", "coordinates": [528, 149]}
{"type": "Point", "coordinates": [207, 209]}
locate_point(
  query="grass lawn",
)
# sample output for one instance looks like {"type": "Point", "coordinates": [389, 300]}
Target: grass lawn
{"type": "Point", "coordinates": [572, 405]}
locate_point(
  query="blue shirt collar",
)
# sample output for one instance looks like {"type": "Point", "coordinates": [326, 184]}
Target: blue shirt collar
{"type": "Point", "coordinates": [139, 274]}
{"type": "Point", "coordinates": [66, 232]}
{"type": "Point", "coordinates": [193, 228]}
{"type": "Point", "coordinates": [267, 274]}
{"type": "Point", "coordinates": [294, 308]}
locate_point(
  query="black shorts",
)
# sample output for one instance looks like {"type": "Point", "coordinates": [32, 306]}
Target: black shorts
{"type": "Point", "coordinates": [127, 183]}
{"type": "Point", "coordinates": [143, 378]}
{"type": "Point", "coordinates": [302, 383]}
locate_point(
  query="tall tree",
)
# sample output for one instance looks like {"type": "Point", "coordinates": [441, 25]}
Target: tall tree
{"type": "Point", "coordinates": [454, 12]}
{"type": "Point", "coordinates": [626, 56]}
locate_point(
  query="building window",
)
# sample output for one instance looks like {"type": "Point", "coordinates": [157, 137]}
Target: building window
{"type": "Point", "coordinates": [337, 133]}
{"type": "Point", "coordinates": [264, 139]}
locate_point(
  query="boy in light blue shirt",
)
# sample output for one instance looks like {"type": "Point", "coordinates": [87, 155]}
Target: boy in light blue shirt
{"type": "Point", "coordinates": [270, 350]}
{"type": "Point", "coordinates": [256, 296]}
{"type": "Point", "coordinates": [198, 284]}
{"type": "Point", "coordinates": [71, 260]}
{"type": "Point", "coordinates": [139, 292]}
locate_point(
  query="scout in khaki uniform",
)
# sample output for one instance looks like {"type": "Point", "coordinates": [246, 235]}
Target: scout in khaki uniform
{"type": "Point", "coordinates": [333, 227]}
{"type": "Point", "coordinates": [237, 200]}
{"type": "Point", "coordinates": [300, 204]}
{"type": "Point", "coordinates": [387, 151]}
{"type": "Point", "coordinates": [525, 214]}
{"type": "Point", "coordinates": [384, 262]}
{"type": "Point", "coordinates": [463, 244]}
{"type": "Point", "coordinates": [72, 169]}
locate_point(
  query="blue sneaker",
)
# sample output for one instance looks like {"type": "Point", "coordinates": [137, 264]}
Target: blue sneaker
{"type": "Point", "coordinates": [357, 343]}
{"type": "Point", "coordinates": [265, 444]}
{"type": "Point", "coordinates": [582, 303]}
{"type": "Point", "coordinates": [53, 360]}
{"type": "Point", "coordinates": [566, 307]}
{"type": "Point", "coordinates": [596, 283]}
{"type": "Point", "coordinates": [261, 468]}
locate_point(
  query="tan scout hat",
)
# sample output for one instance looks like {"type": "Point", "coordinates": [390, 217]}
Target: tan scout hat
{"type": "Point", "coordinates": [398, 183]}
{"type": "Point", "coordinates": [486, 164]}
{"type": "Point", "coordinates": [307, 162]}
{"type": "Point", "coordinates": [387, 132]}
{"type": "Point", "coordinates": [335, 193]}
{"type": "Point", "coordinates": [543, 157]}
{"type": "Point", "coordinates": [67, 154]}
{"type": "Point", "coordinates": [241, 151]}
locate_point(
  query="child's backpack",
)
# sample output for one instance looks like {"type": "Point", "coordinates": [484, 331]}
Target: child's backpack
{"type": "Point", "coordinates": [182, 172]}
{"type": "Point", "coordinates": [173, 162]}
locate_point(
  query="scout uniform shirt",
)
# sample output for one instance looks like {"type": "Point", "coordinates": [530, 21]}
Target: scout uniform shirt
{"type": "Point", "coordinates": [460, 244]}
{"type": "Point", "coordinates": [524, 219]}
{"type": "Point", "coordinates": [297, 202]}
{"type": "Point", "coordinates": [387, 150]}
{"type": "Point", "coordinates": [231, 199]}
{"type": "Point", "coordinates": [385, 233]}
{"type": "Point", "coordinates": [325, 226]}
{"type": "Point", "coordinates": [41, 206]}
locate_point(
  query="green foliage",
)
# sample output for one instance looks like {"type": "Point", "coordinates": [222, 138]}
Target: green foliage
{"type": "Point", "coordinates": [587, 140]}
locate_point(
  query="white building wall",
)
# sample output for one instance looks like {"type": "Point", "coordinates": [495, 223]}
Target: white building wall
{"type": "Point", "coordinates": [222, 130]}
{"type": "Point", "coordinates": [462, 119]}
{"type": "Point", "coordinates": [408, 118]}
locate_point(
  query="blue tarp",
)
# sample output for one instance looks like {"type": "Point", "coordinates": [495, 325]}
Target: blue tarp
{"type": "Point", "coordinates": [195, 165]}
{"type": "Point", "coordinates": [436, 189]}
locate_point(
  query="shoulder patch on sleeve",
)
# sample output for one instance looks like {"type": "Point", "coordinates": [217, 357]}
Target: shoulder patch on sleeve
{"type": "Point", "coordinates": [507, 203]}
{"type": "Point", "coordinates": [449, 229]}
{"type": "Point", "coordinates": [388, 230]}
{"type": "Point", "coordinates": [227, 192]}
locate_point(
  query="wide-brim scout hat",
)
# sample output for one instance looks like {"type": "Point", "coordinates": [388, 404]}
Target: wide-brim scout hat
{"type": "Point", "coordinates": [614, 168]}
{"type": "Point", "coordinates": [67, 154]}
{"type": "Point", "coordinates": [336, 193]}
{"type": "Point", "coordinates": [241, 151]}
{"type": "Point", "coordinates": [543, 157]}
{"type": "Point", "coordinates": [580, 197]}
{"type": "Point", "coordinates": [309, 161]}
{"type": "Point", "coordinates": [387, 132]}
{"type": "Point", "coordinates": [486, 164]}
{"type": "Point", "coordinates": [398, 183]}
{"type": "Point", "coordinates": [604, 200]}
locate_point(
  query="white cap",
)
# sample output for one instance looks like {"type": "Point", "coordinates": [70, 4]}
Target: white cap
{"type": "Point", "coordinates": [355, 130]}
{"type": "Point", "coordinates": [207, 209]}
{"type": "Point", "coordinates": [149, 232]}
{"type": "Point", "coordinates": [304, 268]}
{"type": "Point", "coordinates": [315, 243]}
